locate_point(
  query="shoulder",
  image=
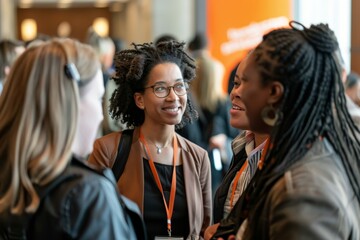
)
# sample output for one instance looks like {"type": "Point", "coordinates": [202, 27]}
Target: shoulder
{"type": "Point", "coordinates": [193, 154]}
{"type": "Point", "coordinates": [316, 190]}
{"type": "Point", "coordinates": [90, 206]}
{"type": "Point", "coordinates": [84, 175]}
{"type": "Point", "coordinates": [190, 147]}
{"type": "Point", "coordinates": [105, 149]}
{"type": "Point", "coordinates": [319, 173]}
{"type": "Point", "coordinates": [89, 189]}
{"type": "Point", "coordinates": [109, 139]}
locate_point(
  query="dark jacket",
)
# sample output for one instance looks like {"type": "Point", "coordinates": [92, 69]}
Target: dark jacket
{"type": "Point", "coordinates": [312, 200]}
{"type": "Point", "coordinates": [223, 189]}
{"type": "Point", "coordinates": [85, 205]}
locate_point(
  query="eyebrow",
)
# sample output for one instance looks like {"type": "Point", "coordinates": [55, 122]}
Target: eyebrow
{"type": "Point", "coordinates": [176, 80]}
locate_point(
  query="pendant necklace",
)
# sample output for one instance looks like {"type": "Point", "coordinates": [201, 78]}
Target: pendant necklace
{"type": "Point", "coordinates": [158, 149]}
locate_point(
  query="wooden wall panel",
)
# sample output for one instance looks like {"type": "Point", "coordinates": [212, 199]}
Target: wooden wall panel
{"type": "Point", "coordinates": [355, 36]}
{"type": "Point", "coordinates": [48, 19]}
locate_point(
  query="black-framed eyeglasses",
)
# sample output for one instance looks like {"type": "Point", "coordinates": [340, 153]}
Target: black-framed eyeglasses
{"type": "Point", "coordinates": [162, 91]}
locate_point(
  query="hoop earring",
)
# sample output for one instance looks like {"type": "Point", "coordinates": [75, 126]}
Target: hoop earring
{"type": "Point", "coordinates": [270, 115]}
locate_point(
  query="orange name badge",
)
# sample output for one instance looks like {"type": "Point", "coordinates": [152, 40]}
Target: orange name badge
{"type": "Point", "coordinates": [167, 238]}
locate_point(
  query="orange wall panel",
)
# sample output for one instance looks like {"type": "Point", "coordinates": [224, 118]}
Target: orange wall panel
{"type": "Point", "coordinates": [236, 26]}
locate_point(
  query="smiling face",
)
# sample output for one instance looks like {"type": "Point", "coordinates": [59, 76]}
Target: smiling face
{"type": "Point", "coordinates": [238, 118]}
{"type": "Point", "coordinates": [257, 95]}
{"type": "Point", "coordinates": [168, 110]}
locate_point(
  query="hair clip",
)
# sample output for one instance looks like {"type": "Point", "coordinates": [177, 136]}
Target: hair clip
{"type": "Point", "coordinates": [71, 72]}
{"type": "Point", "coordinates": [297, 25]}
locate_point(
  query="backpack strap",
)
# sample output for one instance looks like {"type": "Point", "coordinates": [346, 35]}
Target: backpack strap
{"type": "Point", "coordinates": [122, 153]}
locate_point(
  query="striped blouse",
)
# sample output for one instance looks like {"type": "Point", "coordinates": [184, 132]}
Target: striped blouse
{"type": "Point", "coordinates": [253, 156]}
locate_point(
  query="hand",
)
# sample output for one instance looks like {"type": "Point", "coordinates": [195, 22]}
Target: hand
{"type": "Point", "coordinates": [210, 231]}
{"type": "Point", "coordinates": [218, 141]}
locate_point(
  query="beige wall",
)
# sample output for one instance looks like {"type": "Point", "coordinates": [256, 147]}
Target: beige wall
{"type": "Point", "coordinates": [7, 19]}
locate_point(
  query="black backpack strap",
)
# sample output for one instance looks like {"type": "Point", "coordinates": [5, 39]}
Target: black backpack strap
{"type": "Point", "coordinates": [122, 153]}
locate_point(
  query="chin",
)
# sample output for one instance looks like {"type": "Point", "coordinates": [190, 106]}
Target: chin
{"type": "Point", "coordinates": [237, 123]}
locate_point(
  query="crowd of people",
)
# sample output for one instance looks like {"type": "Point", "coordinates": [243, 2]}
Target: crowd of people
{"type": "Point", "coordinates": [287, 136]}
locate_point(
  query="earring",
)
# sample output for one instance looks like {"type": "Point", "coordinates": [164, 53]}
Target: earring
{"type": "Point", "coordinates": [270, 115]}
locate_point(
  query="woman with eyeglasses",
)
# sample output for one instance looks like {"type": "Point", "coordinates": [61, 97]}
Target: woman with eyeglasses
{"type": "Point", "coordinates": [165, 174]}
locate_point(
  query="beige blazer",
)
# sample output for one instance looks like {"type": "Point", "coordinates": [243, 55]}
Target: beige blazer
{"type": "Point", "coordinates": [197, 176]}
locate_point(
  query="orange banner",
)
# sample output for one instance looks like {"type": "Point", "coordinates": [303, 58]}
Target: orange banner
{"type": "Point", "coordinates": [236, 26]}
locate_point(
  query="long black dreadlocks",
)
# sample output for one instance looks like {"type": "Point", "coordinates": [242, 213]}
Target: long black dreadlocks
{"type": "Point", "coordinates": [132, 69]}
{"type": "Point", "coordinates": [304, 60]}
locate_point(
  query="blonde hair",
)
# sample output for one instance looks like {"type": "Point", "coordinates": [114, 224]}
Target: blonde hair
{"type": "Point", "coordinates": [207, 87]}
{"type": "Point", "coordinates": [38, 121]}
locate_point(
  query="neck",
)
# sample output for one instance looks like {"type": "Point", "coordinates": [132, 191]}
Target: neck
{"type": "Point", "coordinates": [260, 138]}
{"type": "Point", "coordinates": [160, 136]}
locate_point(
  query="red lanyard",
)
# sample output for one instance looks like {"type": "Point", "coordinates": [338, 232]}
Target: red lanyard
{"type": "Point", "coordinates": [170, 208]}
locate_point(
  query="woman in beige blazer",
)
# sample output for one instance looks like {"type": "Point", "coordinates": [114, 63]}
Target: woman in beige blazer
{"type": "Point", "coordinates": [166, 175]}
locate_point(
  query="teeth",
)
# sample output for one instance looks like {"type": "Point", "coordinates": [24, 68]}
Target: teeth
{"type": "Point", "coordinates": [237, 108]}
{"type": "Point", "coordinates": [171, 109]}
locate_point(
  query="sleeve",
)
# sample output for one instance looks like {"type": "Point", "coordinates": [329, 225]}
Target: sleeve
{"type": "Point", "coordinates": [205, 180]}
{"type": "Point", "coordinates": [300, 215]}
{"type": "Point", "coordinates": [101, 155]}
{"type": "Point", "coordinates": [92, 211]}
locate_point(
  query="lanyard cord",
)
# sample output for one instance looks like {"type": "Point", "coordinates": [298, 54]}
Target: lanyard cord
{"type": "Point", "coordinates": [236, 181]}
{"type": "Point", "coordinates": [169, 209]}
{"type": "Point", "coordinates": [243, 167]}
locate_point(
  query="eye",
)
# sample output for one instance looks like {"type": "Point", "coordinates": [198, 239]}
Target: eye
{"type": "Point", "coordinates": [243, 79]}
{"type": "Point", "coordinates": [159, 88]}
{"type": "Point", "coordinates": [236, 83]}
{"type": "Point", "coordinates": [180, 86]}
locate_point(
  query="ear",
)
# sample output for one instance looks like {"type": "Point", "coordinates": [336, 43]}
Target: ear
{"type": "Point", "coordinates": [139, 100]}
{"type": "Point", "coordinates": [276, 92]}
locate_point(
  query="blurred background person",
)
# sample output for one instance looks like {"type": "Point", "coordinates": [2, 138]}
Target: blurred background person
{"type": "Point", "coordinates": [105, 48]}
{"type": "Point", "coordinates": [352, 87]}
{"type": "Point", "coordinates": [10, 50]}
{"type": "Point", "coordinates": [352, 90]}
{"type": "Point", "coordinates": [213, 105]}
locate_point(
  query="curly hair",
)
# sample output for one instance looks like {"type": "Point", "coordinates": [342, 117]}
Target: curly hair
{"type": "Point", "coordinates": [132, 70]}
{"type": "Point", "coordinates": [304, 60]}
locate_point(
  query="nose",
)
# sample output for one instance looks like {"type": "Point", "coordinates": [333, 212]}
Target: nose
{"type": "Point", "coordinates": [172, 94]}
{"type": "Point", "coordinates": [234, 93]}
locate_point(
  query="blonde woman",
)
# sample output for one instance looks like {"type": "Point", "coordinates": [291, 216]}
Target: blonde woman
{"type": "Point", "coordinates": [49, 115]}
